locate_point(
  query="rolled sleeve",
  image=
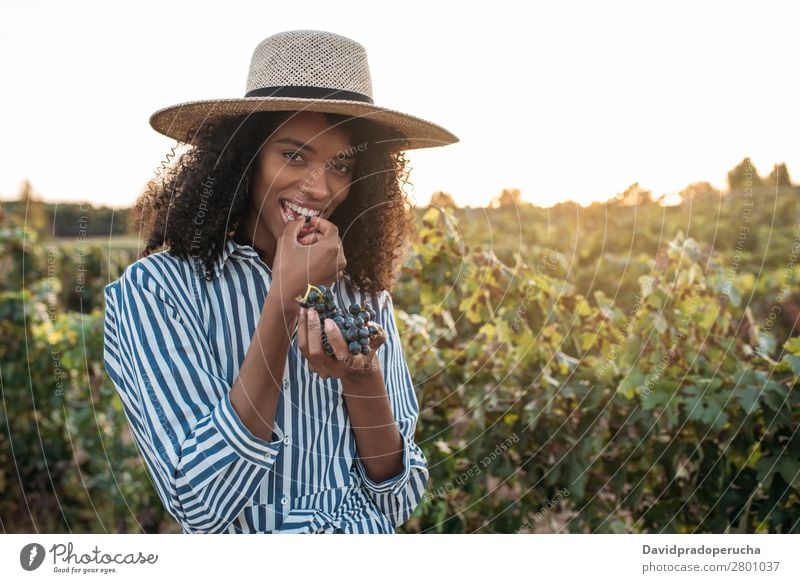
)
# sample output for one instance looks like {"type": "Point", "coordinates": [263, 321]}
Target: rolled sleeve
{"type": "Point", "coordinates": [398, 496]}
{"type": "Point", "coordinates": [239, 437]}
{"type": "Point", "coordinates": [393, 485]}
{"type": "Point", "coordinates": [206, 464]}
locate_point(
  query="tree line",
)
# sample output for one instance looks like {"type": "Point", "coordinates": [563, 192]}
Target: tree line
{"type": "Point", "coordinates": [85, 220]}
{"type": "Point", "coordinates": [743, 177]}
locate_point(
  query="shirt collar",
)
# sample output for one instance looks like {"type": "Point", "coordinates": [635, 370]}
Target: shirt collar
{"type": "Point", "coordinates": [233, 249]}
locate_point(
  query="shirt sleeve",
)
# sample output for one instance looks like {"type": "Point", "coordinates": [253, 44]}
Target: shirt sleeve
{"type": "Point", "coordinates": [398, 496]}
{"type": "Point", "coordinates": [206, 464]}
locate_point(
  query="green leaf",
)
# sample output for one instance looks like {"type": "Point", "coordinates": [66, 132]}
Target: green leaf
{"type": "Point", "coordinates": [708, 317]}
{"type": "Point", "coordinates": [748, 398]}
{"type": "Point", "coordinates": [631, 383]}
{"type": "Point", "coordinates": [704, 406]}
{"type": "Point", "coordinates": [774, 395]}
{"type": "Point", "coordinates": [654, 398]}
{"type": "Point", "coordinates": [794, 362]}
{"type": "Point", "coordinates": [787, 467]}
{"type": "Point", "coordinates": [578, 477]}
{"type": "Point", "coordinates": [793, 345]}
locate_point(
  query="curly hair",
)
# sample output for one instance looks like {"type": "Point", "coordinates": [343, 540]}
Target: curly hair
{"type": "Point", "coordinates": [208, 182]}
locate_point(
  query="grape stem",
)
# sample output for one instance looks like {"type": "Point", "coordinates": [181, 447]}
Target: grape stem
{"type": "Point", "coordinates": [309, 289]}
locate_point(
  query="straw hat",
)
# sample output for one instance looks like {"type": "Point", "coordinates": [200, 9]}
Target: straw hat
{"type": "Point", "coordinates": [304, 70]}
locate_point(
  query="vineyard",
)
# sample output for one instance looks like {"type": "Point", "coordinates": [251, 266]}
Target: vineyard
{"type": "Point", "coordinates": [622, 367]}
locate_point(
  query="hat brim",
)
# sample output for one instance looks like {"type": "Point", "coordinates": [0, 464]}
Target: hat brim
{"type": "Point", "coordinates": [177, 120]}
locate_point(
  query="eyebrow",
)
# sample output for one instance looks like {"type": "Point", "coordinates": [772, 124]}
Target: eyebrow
{"type": "Point", "coordinates": [346, 155]}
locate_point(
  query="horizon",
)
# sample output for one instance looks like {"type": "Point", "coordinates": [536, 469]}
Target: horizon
{"type": "Point", "coordinates": [663, 199]}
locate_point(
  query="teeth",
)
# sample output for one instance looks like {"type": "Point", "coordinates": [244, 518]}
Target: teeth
{"type": "Point", "coordinates": [302, 210]}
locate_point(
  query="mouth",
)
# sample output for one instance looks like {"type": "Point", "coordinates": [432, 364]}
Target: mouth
{"type": "Point", "coordinates": [290, 211]}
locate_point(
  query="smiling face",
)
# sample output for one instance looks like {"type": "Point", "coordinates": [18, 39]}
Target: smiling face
{"type": "Point", "coordinates": [305, 167]}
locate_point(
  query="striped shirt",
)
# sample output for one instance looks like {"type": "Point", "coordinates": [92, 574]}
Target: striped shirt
{"type": "Point", "coordinates": [173, 345]}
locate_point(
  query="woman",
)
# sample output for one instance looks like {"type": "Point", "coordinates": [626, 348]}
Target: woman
{"type": "Point", "coordinates": [244, 421]}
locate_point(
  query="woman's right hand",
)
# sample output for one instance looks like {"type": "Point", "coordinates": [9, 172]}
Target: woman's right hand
{"type": "Point", "coordinates": [316, 258]}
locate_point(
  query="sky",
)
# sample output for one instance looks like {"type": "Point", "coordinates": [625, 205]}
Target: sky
{"type": "Point", "coordinates": [563, 100]}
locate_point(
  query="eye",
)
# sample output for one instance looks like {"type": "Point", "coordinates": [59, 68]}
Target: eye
{"type": "Point", "coordinates": [344, 168]}
{"type": "Point", "coordinates": [291, 156]}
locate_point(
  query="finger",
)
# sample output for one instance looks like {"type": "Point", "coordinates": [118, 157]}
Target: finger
{"type": "Point", "coordinates": [311, 238]}
{"type": "Point", "coordinates": [341, 260]}
{"type": "Point", "coordinates": [376, 340]}
{"type": "Point", "coordinates": [292, 229]}
{"type": "Point", "coordinates": [302, 331]}
{"type": "Point", "coordinates": [316, 353]}
{"type": "Point", "coordinates": [311, 339]}
{"type": "Point", "coordinates": [373, 363]}
{"type": "Point", "coordinates": [336, 340]}
{"type": "Point", "coordinates": [324, 226]}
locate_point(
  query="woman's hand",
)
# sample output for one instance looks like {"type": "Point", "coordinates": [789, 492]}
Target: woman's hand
{"type": "Point", "coordinates": [316, 258]}
{"type": "Point", "coordinates": [309, 340]}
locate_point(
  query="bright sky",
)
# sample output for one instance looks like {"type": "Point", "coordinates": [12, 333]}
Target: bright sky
{"type": "Point", "coordinates": [566, 100]}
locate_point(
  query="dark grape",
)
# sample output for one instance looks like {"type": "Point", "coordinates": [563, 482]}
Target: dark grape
{"type": "Point", "coordinates": [352, 323]}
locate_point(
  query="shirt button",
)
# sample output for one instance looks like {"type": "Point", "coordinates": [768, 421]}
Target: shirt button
{"type": "Point", "coordinates": [286, 383]}
{"type": "Point", "coordinates": [284, 501]}
{"type": "Point", "coordinates": [268, 456]}
{"type": "Point", "coordinates": [286, 440]}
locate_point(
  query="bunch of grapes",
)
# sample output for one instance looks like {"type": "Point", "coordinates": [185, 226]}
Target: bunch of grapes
{"type": "Point", "coordinates": [357, 325]}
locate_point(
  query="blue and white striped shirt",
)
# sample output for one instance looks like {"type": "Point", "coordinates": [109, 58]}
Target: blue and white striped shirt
{"type": "Point", "coordinates": [174, 343]}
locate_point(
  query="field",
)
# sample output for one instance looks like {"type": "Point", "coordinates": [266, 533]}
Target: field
{"type": "Point", "coordinates": [623, 367]}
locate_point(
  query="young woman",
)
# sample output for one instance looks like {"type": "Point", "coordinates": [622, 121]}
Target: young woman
{"type": "Point", "coordinates": [244, 419]}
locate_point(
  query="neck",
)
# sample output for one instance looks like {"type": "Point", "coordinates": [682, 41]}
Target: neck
{"type": "Point", "coordinates": [255, 234]}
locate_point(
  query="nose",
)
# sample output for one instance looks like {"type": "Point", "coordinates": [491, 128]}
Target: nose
{"type": "Point", "coordinates": [315, 184]}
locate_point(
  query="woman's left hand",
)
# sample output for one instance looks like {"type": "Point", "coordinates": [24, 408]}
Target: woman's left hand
{"type": "Point", "coordinates": [344, 364]}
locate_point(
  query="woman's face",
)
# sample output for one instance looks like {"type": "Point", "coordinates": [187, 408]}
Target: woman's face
{"type": "Point", "coordinates": [306, 166]}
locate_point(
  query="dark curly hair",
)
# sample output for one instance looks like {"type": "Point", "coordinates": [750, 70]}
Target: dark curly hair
{"type": "Point", "coordinates": [375, 221]}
